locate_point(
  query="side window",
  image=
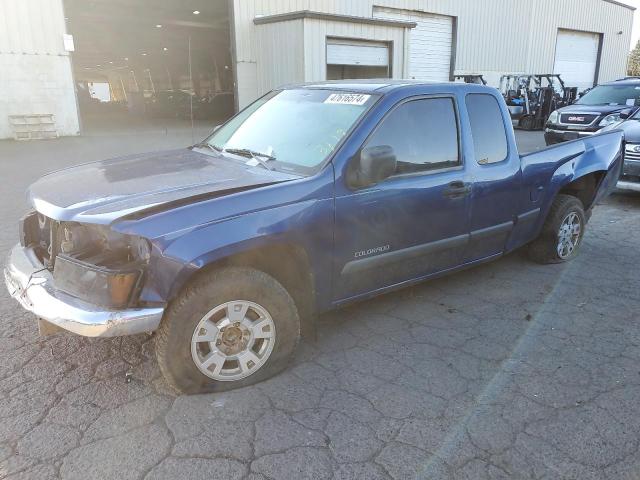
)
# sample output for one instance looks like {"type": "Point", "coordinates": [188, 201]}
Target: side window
{"type": "Point", "coordinates": [487, 128]}
{"type": "Point", "coordinates": [423, 134]}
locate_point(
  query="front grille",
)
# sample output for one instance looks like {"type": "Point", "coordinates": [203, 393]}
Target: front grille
{"type": "Point", "coordinates": [577, 118]}
{"type": "Point", "coordinates": [632, 152]}
{"type": "Point", "coordinates": [631, 167]}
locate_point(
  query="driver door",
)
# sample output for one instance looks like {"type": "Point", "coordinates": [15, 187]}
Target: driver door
{"type": "Point", "coordinates": [414, 223]}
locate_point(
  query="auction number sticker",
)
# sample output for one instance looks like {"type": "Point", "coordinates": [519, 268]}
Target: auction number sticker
{"type": "Point", "coordinates": [347, 98]}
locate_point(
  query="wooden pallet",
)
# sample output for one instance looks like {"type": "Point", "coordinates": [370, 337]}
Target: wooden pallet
{"type": "Point", "coordinates": [34, 126]}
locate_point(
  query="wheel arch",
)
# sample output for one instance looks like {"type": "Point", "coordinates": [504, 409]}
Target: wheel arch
{"type": "Point", "coordinates": [288, 263]}
{"type": "Point", "coordinates": [584, 188]}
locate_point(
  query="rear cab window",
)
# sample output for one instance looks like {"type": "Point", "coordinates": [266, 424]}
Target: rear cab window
{"type": "Point", "coordinates": [487, 128]}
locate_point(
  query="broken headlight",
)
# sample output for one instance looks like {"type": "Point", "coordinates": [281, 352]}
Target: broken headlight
{"type": "Point", "coordinates": [98, 265]}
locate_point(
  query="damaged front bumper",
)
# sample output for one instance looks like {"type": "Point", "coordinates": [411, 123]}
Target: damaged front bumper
{"type": "Point", "coordinates": [32, 286]}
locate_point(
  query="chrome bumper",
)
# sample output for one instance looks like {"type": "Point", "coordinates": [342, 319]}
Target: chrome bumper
{"type": "Point", "coordinates": [628, 186]}
{"type": "Point", "coordinates": [579, 132]}
{"type": "Point", "coordinates": [32, 286]}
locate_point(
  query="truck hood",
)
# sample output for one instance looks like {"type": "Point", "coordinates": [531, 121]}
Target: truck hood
{"type": "Point", "coordinates": [101, 192]}
{"type": "Point", "coordinates": [600, 109]}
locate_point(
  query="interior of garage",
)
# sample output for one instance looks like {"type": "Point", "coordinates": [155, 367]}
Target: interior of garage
{"type": "Point", "coordinates": [151, 62]}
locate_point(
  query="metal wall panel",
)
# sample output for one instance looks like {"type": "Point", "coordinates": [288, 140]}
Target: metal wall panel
{"type": "Point", "coordinates": [430, 43]}
{"type": "Point", "coordinates": [32, 27]}
{"type": "Point", "coordinates": [317, 31]}
{"type": "Point", "coordinates": [281, 46]}
{"type": "Point", "coordinates": [493, 36]}
{"type": "Point", "coordinates": [35, 70]}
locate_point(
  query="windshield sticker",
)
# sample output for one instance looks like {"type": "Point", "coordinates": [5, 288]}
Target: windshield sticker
{"type": "Point", "coordinates": [631, 102]}
{"type": "Point", "coordinates": [347, 98]}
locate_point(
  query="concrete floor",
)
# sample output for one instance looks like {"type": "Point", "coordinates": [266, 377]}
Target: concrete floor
{"type": "Point", "coordinates": [509, 370]}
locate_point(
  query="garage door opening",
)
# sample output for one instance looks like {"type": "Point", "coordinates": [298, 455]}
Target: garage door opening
{"type": "Point", "coordinates": [151, 63]}
{"type": "Point", "coordinates": [577, 58]}
{"type": "Point", "coordinates": [357, 59]}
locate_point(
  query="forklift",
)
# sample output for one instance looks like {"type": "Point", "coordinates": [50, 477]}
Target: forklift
{"type": "Point", "coordinates": [471, 78]}
{"type": "Point", "coordinates": [531, 98]}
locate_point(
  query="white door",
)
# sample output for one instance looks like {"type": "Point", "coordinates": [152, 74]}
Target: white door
{"type": "Point", "coordinates": [354, 52]}
{"type": "Point", "coordinates": [351, 59]}
{"type": "Point", "coordinates": [430, 43]}
{"type": "Point", "coordinates": [577, 58]}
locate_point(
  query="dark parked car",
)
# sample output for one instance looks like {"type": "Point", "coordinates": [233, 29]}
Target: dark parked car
{"type": "Point", "coordinates": [601, 106]}
{"type": "Point", "coordinates": [311, 198]}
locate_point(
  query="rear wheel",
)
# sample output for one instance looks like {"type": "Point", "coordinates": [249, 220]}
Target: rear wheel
{"type": "Point", "coordinates": [229, 328]}
{"type": "Point", "coordinates": [562, 232]}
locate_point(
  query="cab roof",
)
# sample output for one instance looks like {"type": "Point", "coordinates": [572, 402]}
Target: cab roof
{"type": "Point", "coordinates": [380, 86]}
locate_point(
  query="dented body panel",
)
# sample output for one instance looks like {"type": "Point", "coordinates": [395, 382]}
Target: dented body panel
{"type": "Point", "coordinates": [197, 208]}
{"type": "Point", "coordinates": [546, 172]}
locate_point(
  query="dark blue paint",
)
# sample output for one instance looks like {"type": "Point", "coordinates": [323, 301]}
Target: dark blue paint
{"type": "Point", "coordinates": [193, 224]}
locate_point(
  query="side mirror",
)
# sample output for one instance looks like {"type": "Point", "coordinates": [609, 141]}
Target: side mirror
{"type": "Point", "coordinates": [371, 165]}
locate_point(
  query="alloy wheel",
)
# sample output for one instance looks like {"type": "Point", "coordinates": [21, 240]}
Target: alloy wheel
{"type": "Point", "coordinates": [233, 340]}
{"type": "Point", "coordinates": [569, 235]}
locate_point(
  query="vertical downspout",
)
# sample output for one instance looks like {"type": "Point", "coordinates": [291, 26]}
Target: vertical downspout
{"type": "Point", "coordinates": [73, 75]}
{"type": "Point", "coordinates": [234, 54]}
{"type": "Point", "coordinates": [406, 59]}
{"type": "Point", "coordinates": [454, 48]}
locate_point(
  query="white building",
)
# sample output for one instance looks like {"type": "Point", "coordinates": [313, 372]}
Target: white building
{"type": "Point", "coordinates": [274, 42]}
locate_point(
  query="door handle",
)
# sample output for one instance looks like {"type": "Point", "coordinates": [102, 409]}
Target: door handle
{"type": "Point", "coordinates": [457, 189]}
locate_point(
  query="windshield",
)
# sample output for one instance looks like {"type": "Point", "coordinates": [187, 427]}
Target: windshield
{"type": "Point", "coordinates": [612, 95]}
{"type": "Point", "coordinates": [293, 129]}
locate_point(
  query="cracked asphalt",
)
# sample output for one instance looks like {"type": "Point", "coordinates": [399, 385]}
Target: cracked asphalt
{"type": "Point", "coordinates": [510, 370]}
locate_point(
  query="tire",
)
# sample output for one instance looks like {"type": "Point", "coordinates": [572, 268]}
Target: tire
{"type": "Point", "coordinates": [527, 122]}
{"type": "Point", "coordinates": [546, 248]}
{"type": "Point", "coordinates": [188, 335]}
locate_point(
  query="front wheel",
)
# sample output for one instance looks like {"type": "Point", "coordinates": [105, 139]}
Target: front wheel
{"type": "Point", "coordinates": [527, 122]}
{"type": "Point", "coordinates": [228, 328]}
{"type": "Point", "coordinates": [562, 232]}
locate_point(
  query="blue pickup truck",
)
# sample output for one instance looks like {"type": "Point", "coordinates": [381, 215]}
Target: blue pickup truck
{"type": "Point", "coordinates": [312, 197]}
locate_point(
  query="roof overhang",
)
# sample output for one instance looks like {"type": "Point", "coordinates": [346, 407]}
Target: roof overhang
{"type": "Point", "coordinates": [332, 17]}
{"type": "Point", "coordinates": [620, 4]}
